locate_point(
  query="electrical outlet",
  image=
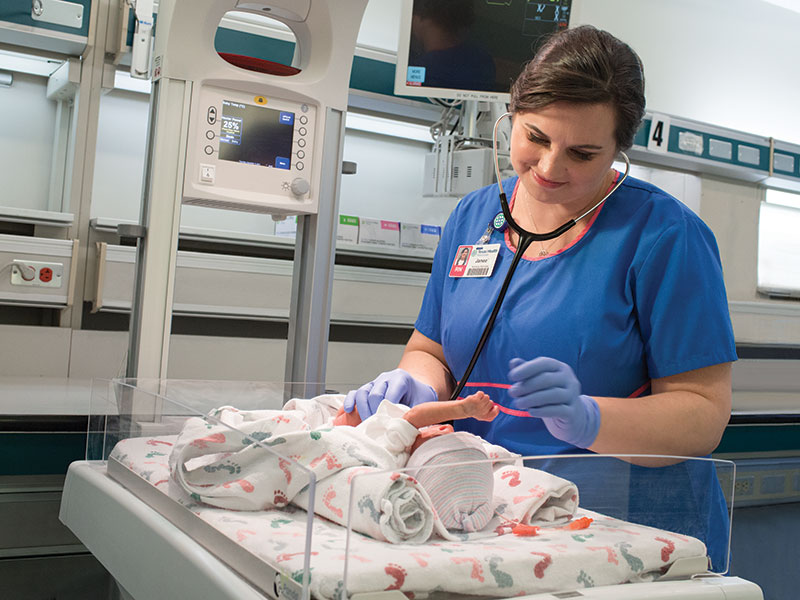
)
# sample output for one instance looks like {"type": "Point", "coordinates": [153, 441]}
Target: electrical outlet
{"type": "Point", "coordinates": [744, 486]}
{"type": "Point", "coordinates": [33, 273]}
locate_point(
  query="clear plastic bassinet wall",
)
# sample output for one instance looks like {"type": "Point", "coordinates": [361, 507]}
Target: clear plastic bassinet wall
{"type": "Point", "coordinates": [300, 507]}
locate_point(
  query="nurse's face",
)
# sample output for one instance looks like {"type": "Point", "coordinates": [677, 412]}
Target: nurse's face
{"type": "Point", "coordinates": [563, 152]}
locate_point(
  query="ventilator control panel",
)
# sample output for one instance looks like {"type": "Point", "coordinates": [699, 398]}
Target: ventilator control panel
{"type": "Point", "coordinates": [250, 152]}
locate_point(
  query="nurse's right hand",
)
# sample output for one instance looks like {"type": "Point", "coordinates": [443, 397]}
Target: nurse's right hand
{"type": "Point", "coordinates": [397, 386]}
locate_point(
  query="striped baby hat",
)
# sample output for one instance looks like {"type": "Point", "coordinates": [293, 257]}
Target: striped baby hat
{"type": "Point", "coordinates": [461, 493]}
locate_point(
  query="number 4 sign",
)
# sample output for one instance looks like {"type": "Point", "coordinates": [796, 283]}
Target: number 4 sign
{"type": "Point", "coordinates": [658, 138]}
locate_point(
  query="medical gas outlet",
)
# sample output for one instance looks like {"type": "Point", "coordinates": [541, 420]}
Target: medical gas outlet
{"type": "Point", "coordinates": [32, 273]}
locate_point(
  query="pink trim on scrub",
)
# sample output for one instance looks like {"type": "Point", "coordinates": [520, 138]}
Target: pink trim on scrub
{"type": "Point", "coordinates": [640, 391]}
{"type": "Point", "coordinates": [513, 412]}
{"type": "Point", "coordinates": [503, 386]}
{"type": "Point", "coordinates": [513, 248]}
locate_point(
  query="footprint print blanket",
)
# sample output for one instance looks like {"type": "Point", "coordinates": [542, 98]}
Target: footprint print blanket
{"type": "Point", "coordinates": [609, 551]}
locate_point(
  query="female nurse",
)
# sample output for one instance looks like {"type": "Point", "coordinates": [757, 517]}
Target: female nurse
{"type": "Point", "coordinates": [613, 338]}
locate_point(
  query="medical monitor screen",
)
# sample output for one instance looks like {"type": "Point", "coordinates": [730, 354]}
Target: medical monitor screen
{"type": "Point", "coordinates": [471, 49]}
{"type": "Point", "coordinates": [256, 135]}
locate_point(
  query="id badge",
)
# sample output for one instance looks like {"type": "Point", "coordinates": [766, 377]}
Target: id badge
{"type": "Point", "coordinates": [475, 260]}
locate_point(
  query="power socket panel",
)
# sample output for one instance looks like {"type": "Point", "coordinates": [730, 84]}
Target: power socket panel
{"type": "Point", "coordinates": [38, 274]}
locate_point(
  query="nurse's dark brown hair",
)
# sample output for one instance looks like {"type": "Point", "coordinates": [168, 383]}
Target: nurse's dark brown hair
{"type": "Point", "coordinates": [588, 66]}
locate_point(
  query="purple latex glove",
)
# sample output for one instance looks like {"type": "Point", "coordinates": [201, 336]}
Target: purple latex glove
{"type": "Point", "coordinates": [548, 389]}
{"type": "Point", "coordinates": [397, 386]}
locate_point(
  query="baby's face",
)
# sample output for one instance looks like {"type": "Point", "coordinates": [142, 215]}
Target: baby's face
{"type": "Point", "coordinates": [430, 432]}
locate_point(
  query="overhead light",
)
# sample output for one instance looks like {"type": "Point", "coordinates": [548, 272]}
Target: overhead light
{"type": "Point", "coordinates": [789, 199]}
{"type": "Point", "coordinates": [27, 63]}
{"type": "Point", "coordinates": [370, 124]}
{"type": "Point", "coordinates": [124, 81]}
{"type": "Point", "coordinates": [6, 79]}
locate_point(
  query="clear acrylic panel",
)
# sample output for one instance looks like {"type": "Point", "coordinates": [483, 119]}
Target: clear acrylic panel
{"type": "Point", "coordinates": [203, 453]}
{"type": "Point", "coordinates": [126, 407]}
{"type": "Point", "coordinates": [553, 523]}
{"type": "Point", "coordinates": [559, 524]}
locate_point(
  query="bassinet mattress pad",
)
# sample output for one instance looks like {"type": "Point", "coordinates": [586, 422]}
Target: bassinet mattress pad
{"type": "Point", "coordinates": [608, 552]}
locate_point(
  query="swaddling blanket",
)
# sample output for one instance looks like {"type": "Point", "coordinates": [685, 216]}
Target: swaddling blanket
{"type": "Point", "coordinates": [231, 464]}
{"type": "Point", "coordinates": [221, 464]}
{"type": "Point", "coordinates": [388, 506]}
{"type": "Point", "coordinates": [533, 497]}
{"type": "Point", "coordinates": [230, 461]}
{"type": "Point", "coordinates": [608, 552]}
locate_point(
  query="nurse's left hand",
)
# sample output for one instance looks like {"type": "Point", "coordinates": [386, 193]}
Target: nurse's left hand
{"type": "Point", "coordinates": [548, 389]}
{"type": "Point", "coordinates": [397, 386]}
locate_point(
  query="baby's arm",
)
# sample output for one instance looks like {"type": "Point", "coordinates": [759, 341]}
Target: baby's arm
{"type": "Point", "coordinates": [478, 406]}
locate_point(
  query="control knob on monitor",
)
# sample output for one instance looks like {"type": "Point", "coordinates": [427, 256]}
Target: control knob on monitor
{"type": "Point", "coordinates": [300, 186]}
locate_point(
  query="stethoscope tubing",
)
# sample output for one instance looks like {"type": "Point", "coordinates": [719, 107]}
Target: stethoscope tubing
{"type": "Point", "coordinates": [526, 238]}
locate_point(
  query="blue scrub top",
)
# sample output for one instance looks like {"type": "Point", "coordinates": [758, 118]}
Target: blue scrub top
{"type": "Point", "coordinates": [638, 295]}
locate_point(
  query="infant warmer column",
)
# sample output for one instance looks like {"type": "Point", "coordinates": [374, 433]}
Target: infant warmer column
{"type": "Point", "coordinates": [226, 136]}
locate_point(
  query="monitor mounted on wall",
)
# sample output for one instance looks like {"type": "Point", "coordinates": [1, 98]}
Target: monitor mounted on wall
{"type": "Point", "coordinates": [471, 49]}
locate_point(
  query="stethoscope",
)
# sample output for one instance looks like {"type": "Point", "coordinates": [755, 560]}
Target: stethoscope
{"type": "Point", "coordinates": [525, 239]}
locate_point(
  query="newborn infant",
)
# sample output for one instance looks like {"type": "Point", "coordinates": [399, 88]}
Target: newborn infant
{"type": "Point", "coordinates": [251, 445]}
{"type": "Point", "coordinates": [461, 494]}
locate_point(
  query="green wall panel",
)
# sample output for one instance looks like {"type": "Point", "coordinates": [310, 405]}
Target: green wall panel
{"type": "Point", "coordinates": [40, 453]}
{"type": "Point", "coordinates": [760, 438]}
{"type": "Point", "coordinates": [19, 12]}
{"type": "Point", "coordinates": [248, 44]}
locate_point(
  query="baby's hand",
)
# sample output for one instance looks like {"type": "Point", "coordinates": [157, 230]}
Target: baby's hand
{"type": "Point", "coordinates": [350, 419]}
{"type": "Point", "coordinates": [479, 406]}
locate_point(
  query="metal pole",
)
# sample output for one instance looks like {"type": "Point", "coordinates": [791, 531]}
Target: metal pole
{"type": "Point", "coordinates": [157, 252]}
{"type": "Point", "coordinates": [312, 278]}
